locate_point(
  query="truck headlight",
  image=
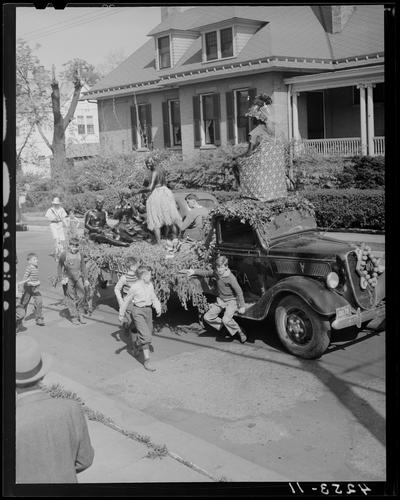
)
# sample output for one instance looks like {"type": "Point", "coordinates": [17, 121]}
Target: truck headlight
{"type": "Point", "coordinates": [332, 280]}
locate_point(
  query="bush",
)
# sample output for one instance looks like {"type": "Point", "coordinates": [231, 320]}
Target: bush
{"type": "Point", "coordinates": [349, 209]}
{"type": "Point", "coordinates": [316, 171]}
{"type": "Point", "coordinates": [364, 172]}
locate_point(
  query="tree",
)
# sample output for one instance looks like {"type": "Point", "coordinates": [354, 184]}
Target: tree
{"type": "Point", "coordinates": [110, 62]}
{"type": "Point", "coordinates": [32, 96]}
{"type": "Point", "coordinates": [87, 72]}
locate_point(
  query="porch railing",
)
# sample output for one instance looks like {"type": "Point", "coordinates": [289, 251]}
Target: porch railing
{"type": "Point", "coordinates": [349, 146]}
{"type": "Point", "coordinates": [379, 146]}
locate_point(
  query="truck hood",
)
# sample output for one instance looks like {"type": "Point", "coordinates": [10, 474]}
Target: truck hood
{"type": "Point", "coordinates": [310, 245]}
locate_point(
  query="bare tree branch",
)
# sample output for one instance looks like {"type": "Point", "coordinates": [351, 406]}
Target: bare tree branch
{"type": "Point", "coordinates": [26, 140]}
{"type": "Point", "coordinates": [44, 137]}
{"type": "Point", "coordinates": [74, 101]}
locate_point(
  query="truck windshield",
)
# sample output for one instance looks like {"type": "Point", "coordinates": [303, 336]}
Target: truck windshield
{"type": "Point", "coordinates": [286, 223]}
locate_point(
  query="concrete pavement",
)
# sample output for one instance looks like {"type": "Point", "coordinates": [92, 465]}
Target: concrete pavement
{"type": "Point", "coordinates": [119, 459]}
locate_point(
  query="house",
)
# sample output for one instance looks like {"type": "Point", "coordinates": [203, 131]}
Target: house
{"type": "Point", "coordinates": [81, 139]}
{"type": "Point", "coordinates": [189, 86]}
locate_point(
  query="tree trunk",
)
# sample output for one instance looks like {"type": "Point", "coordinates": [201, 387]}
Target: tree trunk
{"type": "Point", "coordinates": [59, 164]}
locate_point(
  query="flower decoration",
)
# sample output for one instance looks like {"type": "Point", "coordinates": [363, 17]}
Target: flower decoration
{"type": "Point", "coordinates": [368, 266]}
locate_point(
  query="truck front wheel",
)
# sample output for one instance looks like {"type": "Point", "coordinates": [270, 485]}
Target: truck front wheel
{"type": "Point", "coordinates": [302, 331]}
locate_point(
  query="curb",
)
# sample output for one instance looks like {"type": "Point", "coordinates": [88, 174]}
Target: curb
{"type": "Point", "coordinates": [200, 456]}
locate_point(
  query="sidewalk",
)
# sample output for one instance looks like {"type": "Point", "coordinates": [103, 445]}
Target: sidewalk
{"type": "Point", "coordinates": [120, 459]}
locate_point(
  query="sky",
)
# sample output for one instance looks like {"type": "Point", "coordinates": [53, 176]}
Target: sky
{"type": "Point", "coordinates": [90, 33]}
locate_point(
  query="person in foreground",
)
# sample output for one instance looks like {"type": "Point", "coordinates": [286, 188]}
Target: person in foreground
{"type": "Point", "coordinates": [229, 300]}
{"type": "Point", "coordinates": [52, 437]}
{"type": "Point", "coordinates": [141, 297]}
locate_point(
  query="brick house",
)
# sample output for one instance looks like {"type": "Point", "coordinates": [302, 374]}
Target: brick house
{"type": "Point", "coordinates": [188, 87]}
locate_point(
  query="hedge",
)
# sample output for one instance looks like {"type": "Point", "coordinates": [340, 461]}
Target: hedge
{"type": "Point", "coordinates": [349, 208]}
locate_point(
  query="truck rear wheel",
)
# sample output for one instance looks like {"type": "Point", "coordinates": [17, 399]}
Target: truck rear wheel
{"type": "Point", "coordinates": [301, 330]}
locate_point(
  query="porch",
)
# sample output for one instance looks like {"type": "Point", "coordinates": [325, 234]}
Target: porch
{"type": "Point", "coordinates": [337, 113]}
{"type": "Point", "coordinates": [349, 146]}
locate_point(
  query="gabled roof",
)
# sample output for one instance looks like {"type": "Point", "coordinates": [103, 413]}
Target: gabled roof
{"type": "Point", "coordinates": [291, 32]}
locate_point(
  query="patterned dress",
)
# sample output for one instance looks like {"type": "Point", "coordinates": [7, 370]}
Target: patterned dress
{"type": "Point", "coordinates": [262, 174]}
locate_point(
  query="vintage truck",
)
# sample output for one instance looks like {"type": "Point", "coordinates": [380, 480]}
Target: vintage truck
{"type": "Point", "coordinates": [309, 283]}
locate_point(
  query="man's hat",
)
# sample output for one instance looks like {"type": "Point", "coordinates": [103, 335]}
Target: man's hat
{"type": "Point", "coordinates": [74, 241]}
{"type": "Point", "coordinates": [56, 201]}
{"type": "Point", "coordinates": [31, 365]}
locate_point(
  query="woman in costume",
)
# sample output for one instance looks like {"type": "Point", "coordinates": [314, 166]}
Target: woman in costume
{"type": "Point", "coordinates": [161, 206]}
{"type": "Point", "coordinates": [262, 172]}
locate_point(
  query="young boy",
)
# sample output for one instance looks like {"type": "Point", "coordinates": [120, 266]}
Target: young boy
{"type": "Point", "coordinates": [72, 272]}
{"type": "Point", "coordinates": [72, 224]}
{"type": "Point", "coordinates": [31, 288]}
{"type": "Point", "coordinates": [142, 297]}
{"type": "Point", "coordinates": [230, 298]}
{"type": "Point", "coordinates": [123, 285]}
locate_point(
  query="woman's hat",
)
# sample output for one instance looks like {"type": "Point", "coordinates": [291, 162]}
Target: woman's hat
{"type": "Point", "coordinates": [56, 201]}
{"type": "Point", "coordinates": [31, 365]}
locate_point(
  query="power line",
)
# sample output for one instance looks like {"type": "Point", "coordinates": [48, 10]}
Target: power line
{"type": "Point", "coordinates": [74, 25]}
{"type": "Point", "coordinates": [55, 25]}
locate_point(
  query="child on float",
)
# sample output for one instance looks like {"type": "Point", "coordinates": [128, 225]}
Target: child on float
{"type": "Point", "coordinates": [141, 297]}
{"type": "Point", "coordinates": [229, 300]}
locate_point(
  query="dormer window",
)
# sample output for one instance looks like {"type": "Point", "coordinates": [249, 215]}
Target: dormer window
{"type": "Point", "coordinates": [218, 44]}
{"type": "Point", "coordinates": [164, 52]}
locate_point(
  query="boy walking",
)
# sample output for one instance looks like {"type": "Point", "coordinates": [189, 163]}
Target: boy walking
{"type": "Point", "coordinates": [123, 286]}
{"type": "Point", "coordinates": [142, 297]}
{"type": "Point", "coordinates": [31, 288]}
{"type": "Point", "coordinates": [72, 272]}
{"type": "Point", "coordinates": [230, 298]}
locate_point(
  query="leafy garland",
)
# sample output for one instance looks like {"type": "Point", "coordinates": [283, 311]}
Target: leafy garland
{"type": "Point", "coordinates": [166, 274]}
{"type": "Point", "coordinates": [260, 213]}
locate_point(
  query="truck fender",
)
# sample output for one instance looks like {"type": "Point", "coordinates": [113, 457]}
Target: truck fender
{"type": "Point", "coordinates": [322, 300]}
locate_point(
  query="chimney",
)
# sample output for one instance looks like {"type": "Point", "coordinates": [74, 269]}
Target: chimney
{"type": "Point", "coordinates": [169, 11]}
{"type": "Point", "coordinates": [333, 17]}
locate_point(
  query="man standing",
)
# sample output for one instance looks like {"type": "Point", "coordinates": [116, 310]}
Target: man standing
{"type": "Point", "coordinates": [194, 221]}
{"type": "Point", "coordinates": [56, 215]}
{"type": "Point", "coordinates": [52, 438]}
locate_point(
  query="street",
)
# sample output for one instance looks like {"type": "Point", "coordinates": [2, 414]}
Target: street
{"type": "Point", "coordinates": [317, 420]}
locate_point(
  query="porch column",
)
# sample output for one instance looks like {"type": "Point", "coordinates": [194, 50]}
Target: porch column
{"type": "Point", "coordinates": [370, 115]}
{"type": "Point", "coordinates": [363, 119]}
{"type": "Point", "coordinates": [289, 107]}
{"type": "Point", "coordinates": [296, 133]}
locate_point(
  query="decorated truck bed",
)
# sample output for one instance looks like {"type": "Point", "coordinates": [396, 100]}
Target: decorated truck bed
{"type": "Point", "coordinates": [310, 284]}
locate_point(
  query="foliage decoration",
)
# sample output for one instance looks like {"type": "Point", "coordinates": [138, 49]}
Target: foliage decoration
{"type": "Point", "coordinates": [258, 213]}
{"type": "Point", "coordinates": [166, 272]}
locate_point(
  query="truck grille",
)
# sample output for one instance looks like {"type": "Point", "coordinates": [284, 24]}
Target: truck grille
{"type": "Point", "coordinates": [306, 268]}
{"type": "Point", "coordinates": [365, 298]}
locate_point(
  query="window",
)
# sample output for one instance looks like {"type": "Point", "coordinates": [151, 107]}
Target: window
{"type": "Point", "coordinates": [218, 44]}
{"type": "Point", "coordinates": [175, 120]}
{"type": "Point", "coordinates": [206, 114]}
{"type": "Point", "coordinates": [89, 125]}
{"type": "Point", "coordinates": [237, 233]}
{"type": "Point", "coordinates": [141, 126]}
{"type": "Point", "coordinates": [237, 105]}
{"type": "Point", "coordinates": [226, 43]}
{"type": "Point", "coordinates": [171, 123]}
{"type": "Point", "coordinates": [164, 55]}
{"type": "Point", "coordinates": [81, 125]}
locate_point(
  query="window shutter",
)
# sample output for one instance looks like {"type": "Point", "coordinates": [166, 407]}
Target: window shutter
{"type": "Point", "coordinates": [134, 127]}
{"type": "Point", "coordinates": [196, 121]}
{"type": "Point", "coordinates": [217, 118]}
{"type": "Point", "coordinates": [230, 116]}
{"type": "Point", "coordinates": [148, 125]}
{"type": "Point", "coordinates": [165, 114]}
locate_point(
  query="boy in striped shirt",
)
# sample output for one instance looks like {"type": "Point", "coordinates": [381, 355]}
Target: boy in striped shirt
{"type": "Point", "coordinates": [31, 288]}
